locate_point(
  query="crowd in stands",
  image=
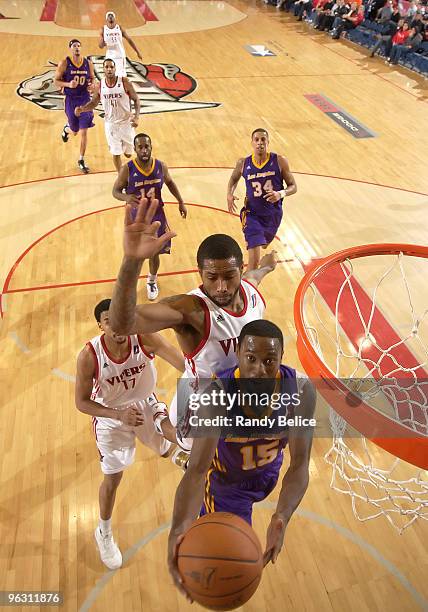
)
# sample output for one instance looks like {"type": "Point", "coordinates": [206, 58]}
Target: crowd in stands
{"type": "Point", "coordinates": [395, 30]}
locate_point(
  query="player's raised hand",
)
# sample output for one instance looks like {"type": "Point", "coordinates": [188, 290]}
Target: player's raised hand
{"type": "Point", "coordinates": [78, 111]}
{"type": "Point", "coordinates": [131, 416]}
{"type": "Point", "coordinates": [272, 196]}
{"type": "Point", "coordinates": [174, 542]}
{"type": "Point", "coordinates": [274, 539]}
{"type": "Point", "coordinates": [140, 237]}
{"type": "Point", "coordinates": [269, 260]}
{"type": "Point", "coordinates": [231, 202]}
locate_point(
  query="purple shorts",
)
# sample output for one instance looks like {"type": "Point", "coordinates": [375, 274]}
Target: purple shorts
{"type": "Point", "coordinates": [86, 120]}
{"type": "Point", "coordinates": [223, 495]}
{"type": "Point", "coordinates": [164, 227]}
{"type": "Point", "coordinates": [260, 230]}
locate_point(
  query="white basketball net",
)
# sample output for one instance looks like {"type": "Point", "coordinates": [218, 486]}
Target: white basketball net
{"type": "Point", "coordinates": [377, 484]}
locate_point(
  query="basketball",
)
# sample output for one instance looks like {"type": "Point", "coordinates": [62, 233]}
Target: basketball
{"type": "Point", "coordinates": [220, 561]}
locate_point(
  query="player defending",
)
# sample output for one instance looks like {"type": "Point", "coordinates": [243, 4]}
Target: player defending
{"type": "Point", "coordinates": [116, 93]}
{"type": "Point", "coordinates": [207, 321]}
{"type": "Point", "coordinates": [75, 75]}
{"type": "Point", "coordinates": [144, 177]}
{"type": "Point", "coordinates": [111, 36]}
{"type": "Point", "coordinates": [115, 384]}
{"type": "Point", "coordinates": [245, 471]}
{"type": "Point", "coordinates": [264, 175]}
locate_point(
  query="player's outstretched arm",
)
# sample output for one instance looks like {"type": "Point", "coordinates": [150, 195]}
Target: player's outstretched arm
{"type": "Point", "coordinates": [129, 88]}
{"type": "Point", "coordinates": [287, 176]}
{"type": "Point", "coordinates": [267, 264]}
{"type": "Point", "coordinates": [158, 345]}
{"type": "Point", "coordinates": [296, 478]}
{"type": "Point", "coordinates": [140, 242]}
{"type": "Point", "coordinates": [231, 186]}
{"type": "Point", "coordinates": [131, 43]}
{"type": "Point", "coordinates": [188, 500]}
{"type": "Point", "coordinates": [101, 41]}
{"type": "Point", "coordinates": [174, 190]}
{"type": "Point", "coordinates": [85, 373]}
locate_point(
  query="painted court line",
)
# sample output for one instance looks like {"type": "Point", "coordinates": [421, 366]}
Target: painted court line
{"type": "Point", "coordinates": [23, 347]}
{"type": "Point", "coordinates": [63, 375]}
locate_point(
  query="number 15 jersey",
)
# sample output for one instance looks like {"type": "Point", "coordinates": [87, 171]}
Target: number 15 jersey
{"type": "Point", "coordinates": [258, 180]}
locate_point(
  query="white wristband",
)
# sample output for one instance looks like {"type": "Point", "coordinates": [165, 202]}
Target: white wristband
{"type": "Point", "coordinates": [282, 193]}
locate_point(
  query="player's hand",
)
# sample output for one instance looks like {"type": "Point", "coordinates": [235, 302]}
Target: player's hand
{"type": "Point", "coordinates": [78, 111]}
{"type": "Point", "coordinates": [140, 238]}
{"type": "Point", "coordinates": [132, 199]}
{"type": "Point", "coordinates": [131, 416]}
{"type": "Point", "coordinates": [174, 542]}
{"type": "Point", "coordinates": [134, 121]}
{"type": "Point", "coordinates": [274, 539]}
{"type": "Point", "coordinates": [269, 260]}
{"type": "Point", "coordinates": [73, 84]}
{"type": "Point", "coordinates": [183, 210]}
{"type": "Point", "coordinates": [231, 202]}
{"type": "Point", "coordinates": [272, 196]}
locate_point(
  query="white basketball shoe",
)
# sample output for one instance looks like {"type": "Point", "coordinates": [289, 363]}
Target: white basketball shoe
{"type": "Point", "coordinates": [152, 290]}
{"type": "Point", "coordinates": [109, 550]}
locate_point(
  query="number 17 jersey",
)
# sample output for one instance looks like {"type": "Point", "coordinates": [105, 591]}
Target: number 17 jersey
{"type": "Point", "coordinates": [258, 180]}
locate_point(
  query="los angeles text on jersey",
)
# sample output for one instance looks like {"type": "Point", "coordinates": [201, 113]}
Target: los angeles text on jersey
{"type": "Point", "coordinates": [242, 421]}
{"type": "Point", "coordinates": [250, 177]}
{"type": "Point", "coordinates": [127, 373]}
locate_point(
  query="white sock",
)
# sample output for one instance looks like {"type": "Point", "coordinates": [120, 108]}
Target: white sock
{"type": "Point", "coordinates": [105, 526]}
{"type": "Point", "coordinates": [152, 278]}
{"type": "Point", "coordinates": [81, 158]}
{"type": "Point", "coordinates": [67, 129]}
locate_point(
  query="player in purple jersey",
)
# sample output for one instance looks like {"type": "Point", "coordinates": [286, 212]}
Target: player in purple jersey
{"type": "Point", "coordinates": [75, 75]}
{"type": "Point", "coordinates": [144, 177]}
{"type": "Point", "coordinates": [264, 175]}
{"type": "Point", "coordinates": [230, 474]}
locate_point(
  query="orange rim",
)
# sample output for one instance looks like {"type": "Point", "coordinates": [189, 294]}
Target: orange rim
{"type": "Point", "coordinates": [400, 440]}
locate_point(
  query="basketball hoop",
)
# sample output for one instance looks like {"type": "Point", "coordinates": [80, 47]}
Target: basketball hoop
{"type": "Point", "coordinates": [372, 372]}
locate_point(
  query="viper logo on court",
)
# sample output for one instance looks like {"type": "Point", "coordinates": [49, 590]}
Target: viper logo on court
{"type": "Point", "coordinates": [160, 87]}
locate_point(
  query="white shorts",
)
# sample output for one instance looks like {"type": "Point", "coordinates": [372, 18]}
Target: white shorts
{"type": "Point", "coordinates": [120, 63]}
{"type": "Point", "coordinates": [116, 442]}
{"type": "Point", "coordinates": [120, 137]}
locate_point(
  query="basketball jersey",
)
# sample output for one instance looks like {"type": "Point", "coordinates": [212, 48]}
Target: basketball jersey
{"type": "Point", "coordinates": [79, 73]}
{"type": "Point", "coordinates": [115, 101]}
{"type": "Point", "coordinates": [259, 180]}
{"type": "Point", "coordinates": [114, 42]}
{"type": "Point", "coordinates": [217, 350]}
{"type": "Point", "coordinates": [118, 384]}
{"type": "Point", "coordinates": [240, 458]}
{"type": "Point", "coordinates": [147, 184]}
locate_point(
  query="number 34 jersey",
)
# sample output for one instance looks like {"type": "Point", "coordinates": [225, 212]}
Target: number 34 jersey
{"type": "Point", "coordinates": [259, 179]}
{"type": "Point", "coordinates": [118, 384]}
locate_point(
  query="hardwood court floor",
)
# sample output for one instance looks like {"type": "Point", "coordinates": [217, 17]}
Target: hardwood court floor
{"type": "Point", "coordinates": [350, 192]}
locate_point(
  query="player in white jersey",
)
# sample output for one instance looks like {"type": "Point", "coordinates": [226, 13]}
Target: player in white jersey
{"type": "Point", "coordinates": [207, 321]}
{"type": "Point", "coordinates": [115, 94]}
{"type": "Point", "coordinates": [111, 36]}
{"type": "Point", "coordinates": [115, 384]}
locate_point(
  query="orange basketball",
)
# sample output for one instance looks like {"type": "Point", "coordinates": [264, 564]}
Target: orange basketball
{"type": "Point", "coordinates": [220, 561]}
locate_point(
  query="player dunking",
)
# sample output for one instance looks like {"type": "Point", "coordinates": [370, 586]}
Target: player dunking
{"type": "Point", "coordinates": [144, 178]}
{"type": "Point", "coordinates": [111, 36]}
{"type": "Point", "coordinates": [75, 74]}
{"type": "Point", "coordinates": [264, 174]}
{"type": "Point", "coordinates": [115, 384]}
{"type": "Point", "coordinates": [208, 320]}
{"type": "Point", "coordinates": [231, 473]}
{"type": "Point", "coordinates": [116, 93]}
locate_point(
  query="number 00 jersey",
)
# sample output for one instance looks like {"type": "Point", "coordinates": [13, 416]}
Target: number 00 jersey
{"type": "Point", "coordinates": [121, 383]}
{"type": "Point", "coordinates": [259, 180]}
